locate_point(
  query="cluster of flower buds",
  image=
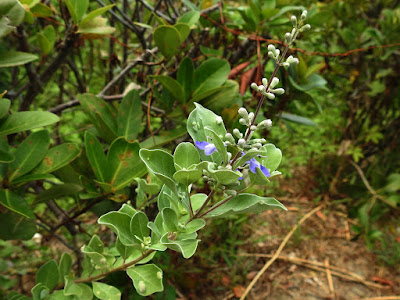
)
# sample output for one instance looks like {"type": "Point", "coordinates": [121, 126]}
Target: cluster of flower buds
{"type": "Point", "coordinates": [298, 27]}
{"type": "Point", "coordinates": [268, 90]}
{"type": "Point", "coordinates": [238, 138]}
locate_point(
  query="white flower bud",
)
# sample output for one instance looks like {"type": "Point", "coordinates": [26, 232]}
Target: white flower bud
{"type": "Point", "coordinates": [242, 121]}
{"type": "Point", "coordinates": [254, 86]}
{"type": "Point", "coordinates": [237, 133]}
{"type": "Point", "coordinates": [271, 55]}
{"type": "Point", "coordinates": [303, 15]}
{"type": "Point", "coordinates": [218, 120]}
{"type": "Point", "coordinates": [241, 143]}
{"type": "Point", "coordinates": [285, 64]}
{"type": "Point", "coordinates": [279, 91]}
{"type": "Point", "coordinates": [243, 113]}
{"type": "Point", "coordinates": [288, 36]}
{"type": "Point", "coordinates": [253, 128]}
{"type": "Point", "coordinates": [265, 81]}
{"type": "Point", "coordinates": [229, 137]}
{"type": "Point", "coordinates": [271, 48]}
{"type": "Point", "coordinates": [257, 145]}
{"type": "Point", "coordinates": [261, 88]}
{"type": "Point", "coordinates": [293, 19]}
{"type": "Point", "coordinates": [270, 96]}
{"type": "Point", "coordinates": [251, 117]}
{"type": "Point", "coordinates": [274, 82]}
{"type": "Point", "coordinates": [231, 192]}
{"type": "Point", "coordinates": [306, 27]}
{"type": "Point", "coordinates": [277, 53]}
{"type": "Point", "coordinates": [229, 155]}
{"type": "Point", "coordinates": [268, 122]}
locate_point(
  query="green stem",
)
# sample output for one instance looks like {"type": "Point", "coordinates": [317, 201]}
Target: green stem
{"type": "Point", "coordinates": [196, 215]}
{"type": "Point", "coordinates": [120, 268]}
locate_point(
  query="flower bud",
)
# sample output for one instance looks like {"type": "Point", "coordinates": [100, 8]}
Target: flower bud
{"type": "Point", "coordinates": [274, 82]}
{"type": "Point", "coordinates": [303, 15]}
{"type": "Point", "coordinates": [242, 121]}
{"type": "Point", "coordinates": [254, 86]}
{"type": "Point", "coordinates": [261, 88]}
{"type": "Point", "coordinates": [288, 36]}
{"type": "Point", "coordinates": [229, 137]}
{"type": "Point", "coordinates": [231, 192]}
{"type": "Point", "coordinates": [251, 117]}
{"type": "Point", "coordinates": [285, 64]}
{"type": "Point", "coordinates": [253, 128]}
{"type": "Point", "coordinates": [306, 27]}
{"type": "Point", "coordinates": [237, 133]}
{"type": "Point", "coordinates": [243, 113]}
{"type": "Point", "coordinates": [293, 19]}
{"type": "Point", "coordinates": [265, 81]}
{"type": "Point", "coordinates": [271, 48]}
{"type": "Point", "coordinates": [270, 54]}
{"type": "Point", "coordinates": [270, 96]}
{"type": "Point", "coordinates": [279, 91]}
{"type": "Point", "coordinates": [241, 143]}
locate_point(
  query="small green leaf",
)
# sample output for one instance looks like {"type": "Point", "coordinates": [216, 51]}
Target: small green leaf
{"type": "Point", "coordinates": [119, 223]}
{"type": "Point", "coordinates": [183, 29]}
{"type": "Point", "coordinates": [297, 119]}
{"type": "Point", "coordinates": [245, 203]}
{"type": "Point", "coordinates": [6, 157]}
{"type": "Point", "coordinates": [32, 177]}
{"type": "Point", "coordinates": [185, 76]}
{"type": "Point", "coordinates": [4, 107]}
{"type": "Point", "coordinates": [123, 163]}
{"type": "Point", "coordinates": [147, 279]}
{"type": "Point", "coordinates": [219, 144]}
{"type": "Point", "coordinates": [16, 227]}
{"type": "Point", "coordinates": [29, 154]}
{"type": "Point", "coordinates": [223, 98]}
{"type": "Point", "coordinates": [93, 14]}
{"type": "Point", "coordinates": [187, 247]}
{"type": "Point", "coordinates": [58, 157]}
{"type": "Point", "coordinates": [187, 177]}
{"type": "Point", "coordinates": [138, 225]}
{"type": "Point", "coordinates": [167, 39]}
{"type": "Point", "coordinates": [41, 10]}
{"type": "Point", "coordinates": [58, 191]}
{"type": "Point", "coordinates": [13, 10]}
{"type": "Point", "coordinates": [210, 74]}
{"type": "Point", "coordinates": [273, 157]}
{"type": "Point", "coordinates": [40, 291]}
{"type": "Point", "coordinates": [170, 219]}
{"type": "Point", "coordinates": [96, 156]}
{"type": "Point", "coordinates": [190, 18]}
{"type": "Point", "coordinates": [195, 225]}
{"type": "Point", "coordinates": [225, 177]}
{"type": "Point", "coordinates": [186, 155]}
{"type": "Point", "coordinates": [129, 116]}
{"type": "Point", "coordinates": [171, 85]}
{"type": "Point", "coordinates": [77, 8]}
{"type": "Point", "coordinates": [26, 120]}
{"type": "Point", "coordinates": [65, 266]}
{"type": "Point", "coordinates": [105, 292]}
{"type": "Point", "coordinates": [48, 274]}
{"type": "Point", "coordinates": [161, 163]}
{"type": "Point", "coordinates": [96, 26]}
{"type": "Point", "coordinates": [80, 290]}
{"type": "Point", "coordinates": [15, 203]}
{"type": "Point", "coordinates": [16, 58]}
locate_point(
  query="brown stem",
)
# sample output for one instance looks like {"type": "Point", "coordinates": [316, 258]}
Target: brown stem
{"type": "Point", "coordinates": [120, 268]}
{"type": "Point", "coordinates": [196, 215]}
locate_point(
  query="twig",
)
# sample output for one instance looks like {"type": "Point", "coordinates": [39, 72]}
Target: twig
{"type": "Point", "coordinates": [320, 267]}
{"type": "Point", "coordinates": [157, 12]}
{"type": "Point", "coordinates": [329, 277]}
{"type": "Point", "coordinates": [276, 255]}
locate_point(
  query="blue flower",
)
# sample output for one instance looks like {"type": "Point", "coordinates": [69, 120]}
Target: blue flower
{"type": "Point", "coordinates": [254, 164]}
{"type": "Point", "coordinates": [208, 148]}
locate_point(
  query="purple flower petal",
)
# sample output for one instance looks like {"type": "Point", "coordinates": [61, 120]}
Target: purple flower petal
{"type": "Point", "coordinates": [201, 145]}
{"type": "Point", "coordinates": [209, 149]}
{"type": "Point", "coordinates": [253, 165]}
{"type": "Point", "coordinates": [265, 171]}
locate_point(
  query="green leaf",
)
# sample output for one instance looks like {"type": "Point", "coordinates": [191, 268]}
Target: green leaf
{"type": "Point", "coordinates": [219, 144]}
{"type": "Point", "coordinates": [167, 39]}
{"type": "Point", "coordinates": [171, 85]}
{"type": "Point", "coordinates": [197, 200]}
{"type": "Point", "coordinates": [119, 223]}
{"type": "Point", "coordinates": [58, 157]}
{"type": "Point", "coordinates": [29, 154]}
{"type": "Point", "coordinates": [195, 225]}
{"type": "Point", "coordinates": [164, 137]}
{"type": "Point", "coordinates": [16, 227]}
{"type": "Point", "coordinates": [102, 115]}
{"type": "Point", "coordinates": [80, 290]}
{"type": "Point", "coordinates": [26, 120]}
{"type": "Point", "coordinates": [105, 292]}
{"type": "Point", "coordinates": [15, 203]}
{"type": "Point", "coordinates": [147, 279]}
{"type": "Point", "coordinates": [96, 156]}
{"type": "Point", "coordinates": [44, 43]}
{"type": "Point", "coordinates": [124, 163]}
{"type": "Point", "coordinates": [41, 10]}
{"type": "Point", "coordinates": [40, 291]}
{"type": "Point", "coordinates": [48, 274]}
{"type": "Point", "coordinates": [6, 157]}
{"type": "Point", "coordinates": [16, 58]}
{"type": "Point", "coordinates": [161, 163]}
{"type": "Point", "coordinates": [185, 76]}
{"type": "Point", "coordinates": [190, 18]}
{"type": "Point", "coordinates": [210, 74]}
{"type": "Point", "coordinates": [184, 31]}
{"type": "Point", "coordinates": [273, 157]}
{"type": "Point", "coordinates": [186, 155]}
{"type": "Point", "coordinates": [187, 247]}
{"type": "Point", "coordinates": [315, 81]}
{"type": "Point", "coordinates": [96, 27]}
{"type": "Point", "coordinates": [32, 177]}
{"type": "Point", "coordinates": [225, 177]}
{"type": "Point", "coordinates": [13, 10]}
{"type": "Point", "coordinates": [5, 27]}
{"type": "Point", "coordinates": [187, 177]}
{"type": "Point", "coordinates": [58, 191]}
{"type": "Point", "coordinates": [4, 107]}
{"type": "Point", "coordinates": [170, 219]}
{"type": "Point", "coordinates": [297, 119]}
{"type": "Point", "coordinates": [138, 225]}
{"type": "Point", "coordinates": [245, 203]}
{"type": "Point", "coordinates": [65, 266]}
{"type": "Point", "coordinates": [93, 14]}
{"type": "Point", "coordinates": [225, 97]}
{"type": "Point", "coordinates": [77, 8]}
{"type": "Point", "coordinates": [129, 116]}
{"type": "Point", "coordinates": [59, 295]}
